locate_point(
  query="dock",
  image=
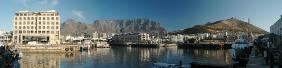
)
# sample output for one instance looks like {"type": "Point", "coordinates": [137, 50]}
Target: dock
{"type": "Point", "coordinates": [47, 48]}
{"type": "Point", "coordinates": [257, 61]}
{"type": "Point", "coordinates": [212, 46]}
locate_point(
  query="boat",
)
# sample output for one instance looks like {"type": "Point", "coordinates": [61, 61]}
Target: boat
{"type": "Point", "coordinates": [102, 44]}
{"type": "Point", "coordinates": [86, 44]}
{"type": "Point", "coordinates": [239, 51]}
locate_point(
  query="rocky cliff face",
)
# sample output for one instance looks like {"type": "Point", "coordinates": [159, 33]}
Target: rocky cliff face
{"type": "Point", "coordinates": [232, 24]}
{"type": "Point", "coordinates": [72, 27]}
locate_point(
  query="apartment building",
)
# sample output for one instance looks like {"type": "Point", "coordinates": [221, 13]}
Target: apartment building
{"type": "Point", "coordinates": [38, 27]}
{"type": "Point", "coordinates": [276, 28]}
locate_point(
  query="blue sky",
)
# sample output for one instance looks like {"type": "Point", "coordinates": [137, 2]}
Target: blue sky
{"type": "Point", "coordinates": [172, 14]}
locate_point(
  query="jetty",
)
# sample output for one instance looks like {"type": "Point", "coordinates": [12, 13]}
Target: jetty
{"type": "Point", "coordinates": [212, 46]}
{"type": "Point", "coordinates": [48, 48]}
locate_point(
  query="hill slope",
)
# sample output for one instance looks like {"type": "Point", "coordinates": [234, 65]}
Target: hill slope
{"type": "Point", "coordinates": [232, 24]}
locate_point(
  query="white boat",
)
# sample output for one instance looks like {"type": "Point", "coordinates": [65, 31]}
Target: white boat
{"type": "Point", "coordinates": [102, 44]}
{"type": "Point", "coordinates": [86, 44]}
{"type": "Point", "coordinates": [237, 48]}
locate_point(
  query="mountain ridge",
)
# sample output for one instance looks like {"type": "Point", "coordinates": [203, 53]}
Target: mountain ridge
{"type": "Point", "coordinates": [232, 24]}
{"type": "Point", "coordinates": [73, 27]}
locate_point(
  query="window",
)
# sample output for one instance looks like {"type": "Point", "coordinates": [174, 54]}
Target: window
{"type": "Point", "coordinates": [16, 23]}
{"type": "Point", "coordinates": [48, 27]}
{"type": "Point", "coordinates": [31, 23]}
{"type": "Point", "coordinates": [39, 27]}
{"type": "Point", "coordinates": [57, 23]}
{"type": "Point", "coordinates": [57, 27]}
{"type": "Point", "coordinates": [16, 27]}
{"type": "Point", "coordinates": [43, 27]}
{"type": "Point", "coordinates": [20, 27]}
{"type": "Point", "coordinates": [52, 27]}
{"type": "Point", "coordinates": [57, 18]}
{"type": "Point", "coordinates": [15, 18]}
{"type": "Point", "coordinates": [39, 23]}
{"type": "Point", "coordinates": [52, 23]}
{"type": "Point", "coordinates": [48, 23]}
{"type": "Point", "coordinates": [52, 18]}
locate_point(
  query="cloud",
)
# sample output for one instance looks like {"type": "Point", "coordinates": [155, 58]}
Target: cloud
{"type": "Point", "coordinates": [39, 2]}
{"type": "Point", "coordinates": [55, 2]}
{"type": "Point", "coordinates": [78, 14]}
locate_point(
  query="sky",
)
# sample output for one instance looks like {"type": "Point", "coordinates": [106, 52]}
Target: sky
{"type": "Point", "coordinates": [172, 14]}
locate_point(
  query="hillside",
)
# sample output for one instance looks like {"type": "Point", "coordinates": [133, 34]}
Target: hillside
{"type": "Point", "coordinates": [232, 25]}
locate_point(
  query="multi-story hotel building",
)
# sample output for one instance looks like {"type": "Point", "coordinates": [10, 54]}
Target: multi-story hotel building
{"type": "Point", "coordinates": [276, 28]}
{"type": "Point", "coordinates": [37, 27]}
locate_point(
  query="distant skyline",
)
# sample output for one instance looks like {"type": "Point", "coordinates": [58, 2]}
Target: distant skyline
{"type": "Point", "coordinates": [172, 14]}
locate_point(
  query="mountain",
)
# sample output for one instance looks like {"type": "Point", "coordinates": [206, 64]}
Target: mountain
{"type": "Point", "coordinates": [73, 27]}
{"type": "Point", "coordinates": [128, 26]}
{"type": "Point", "coordinates": [232, 24]}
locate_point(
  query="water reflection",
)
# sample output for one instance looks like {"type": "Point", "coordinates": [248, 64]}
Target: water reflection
{"type": "Point", "coordinates": [123, 57]}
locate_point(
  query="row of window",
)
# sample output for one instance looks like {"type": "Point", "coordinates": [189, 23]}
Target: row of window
{"type": "Point", "coordinates": [39, 27]}
{"type": "Point", "coordinates": [29, 14]}
{"type": "Point", "coordinates": [39, 23]}
{"type": "Point", "coordinates": [38, 18]}
{"type": "Point", "coordinates": [39, 32]}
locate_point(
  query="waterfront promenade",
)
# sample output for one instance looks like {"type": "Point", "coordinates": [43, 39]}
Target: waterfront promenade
{"type": "Point", "coordinates": [256, 61]}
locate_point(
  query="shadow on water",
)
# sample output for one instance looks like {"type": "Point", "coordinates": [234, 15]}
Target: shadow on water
{"type": "Point", "coordinates": [123, 57]}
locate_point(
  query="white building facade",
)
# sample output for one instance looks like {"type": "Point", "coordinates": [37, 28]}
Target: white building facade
{"type": "Point", "coordinates": [42, 27]}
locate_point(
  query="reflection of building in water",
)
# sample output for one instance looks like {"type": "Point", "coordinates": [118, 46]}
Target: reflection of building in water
{"type": "Point", "coordinates": [40, 60]}
{"type": "Point", "coordinates": [219, 56]}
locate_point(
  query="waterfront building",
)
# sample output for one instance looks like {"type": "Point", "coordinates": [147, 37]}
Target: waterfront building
{"type": "Point", "coordinates": [132, 37]}
{"type": "Point", "coordinates": [5, 36]}
{"type": "Point", "coordinates": [41, 27]}
{"type": "Point", "coordinates": [276, 28]}
{"type": "Point", "coordinates": [100, 36]}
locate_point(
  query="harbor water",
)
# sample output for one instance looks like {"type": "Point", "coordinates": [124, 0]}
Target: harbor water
{"type": "Point", "coordinates": [123, 57]}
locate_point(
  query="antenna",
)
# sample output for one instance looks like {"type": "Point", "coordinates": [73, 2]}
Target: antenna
{"type": "Point", "coordinates": [249, 22]}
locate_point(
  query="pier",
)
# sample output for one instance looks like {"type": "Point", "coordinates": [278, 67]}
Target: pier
{"type": "Point", "coordinates": [213, 46]}
{"type": "Point", "coordinates": [48, 48]}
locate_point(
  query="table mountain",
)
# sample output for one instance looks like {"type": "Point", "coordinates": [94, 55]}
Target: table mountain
{"type": "Point", "coordinates": [72, 27]}
{"type": "Point", "coordinates": [232, 24]}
